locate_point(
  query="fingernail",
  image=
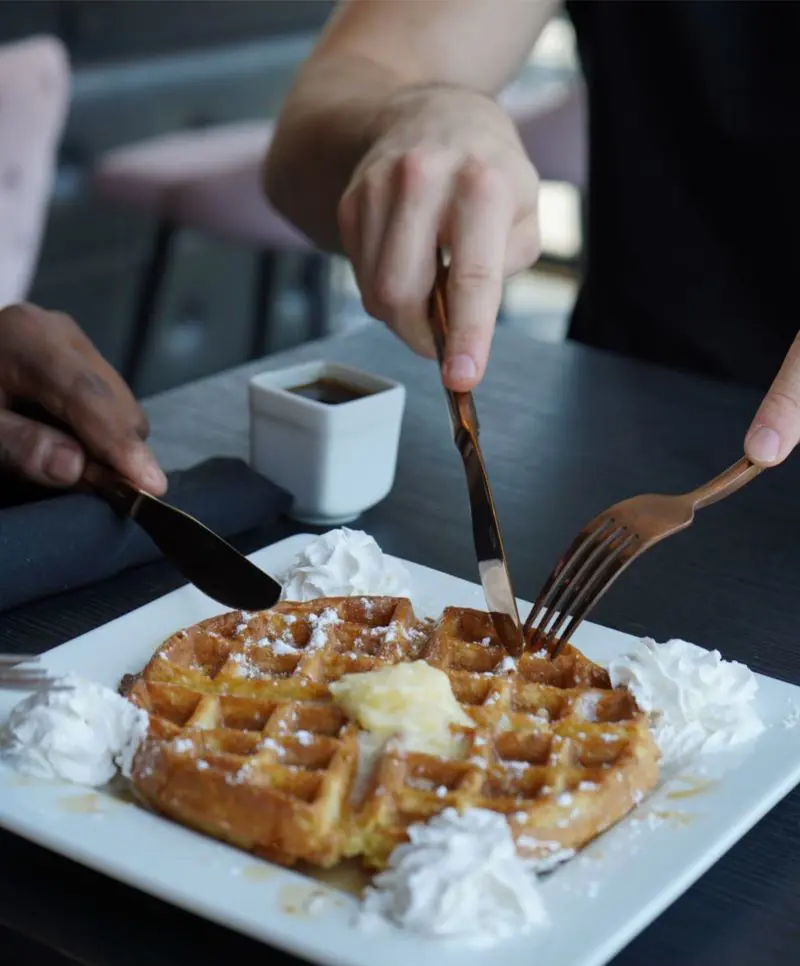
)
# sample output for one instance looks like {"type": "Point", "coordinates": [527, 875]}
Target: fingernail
{"type": "Point", "coordinates": [154, 479]}
{"type": "Point", "coordinates": [763, 444]}
{"type": "Point", "coordinates": [63, 465]}
{"type": "Point", "coordinates": [460, 369]}
{"type": "Point", "coordinates": [145, 471]}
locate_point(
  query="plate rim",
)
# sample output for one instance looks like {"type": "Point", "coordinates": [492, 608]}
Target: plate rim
{"type": "Point", "coordinates": [315, 943]}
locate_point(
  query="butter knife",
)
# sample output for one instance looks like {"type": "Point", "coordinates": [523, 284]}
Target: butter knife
{"type": "Point", "coordinates": [205, 559]}
{"type": "Point", "coordinates": [492, 566]}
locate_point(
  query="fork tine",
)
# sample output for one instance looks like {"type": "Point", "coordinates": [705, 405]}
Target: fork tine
{"type": "Point", "coordinates": [576, 552]}
{"type": "Point", "coordinates": [32, 679]}
{"type": "Point", "coordinates": [570, 590]}
{"type": "Point", "coordinates": [13, 685]}
{"type": "Point", "coordinates": [10, 660]}
{"type": "Point", "coordinates": [590, 594]}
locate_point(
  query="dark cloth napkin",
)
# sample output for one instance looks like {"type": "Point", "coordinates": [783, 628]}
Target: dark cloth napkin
{"type": "Point", "coordinates": [50, 544]}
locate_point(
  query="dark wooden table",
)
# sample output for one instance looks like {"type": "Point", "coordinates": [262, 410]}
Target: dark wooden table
{"type": "Point", "coordinates": [566, 431]}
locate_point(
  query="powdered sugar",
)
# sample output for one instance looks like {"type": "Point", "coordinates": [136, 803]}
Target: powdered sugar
{"type": "Point", "coordinates": [320, 625]}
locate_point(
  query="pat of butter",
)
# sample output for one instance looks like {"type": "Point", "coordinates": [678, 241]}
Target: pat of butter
{"type": "Point", "coordinates": [411, 701]}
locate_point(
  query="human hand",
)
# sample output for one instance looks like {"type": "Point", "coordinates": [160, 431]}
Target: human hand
{"type": "Point", "coordinates": [447, 168]}
{"type": "Point", "coordinates": [775, 431]}
{"type": "Point", "coordinates": [46, 361]}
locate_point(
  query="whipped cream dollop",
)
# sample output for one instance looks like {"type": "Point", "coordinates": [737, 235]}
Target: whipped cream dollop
{"type": "Point", "coordinates": [77, 731]}
{"type": "Point", "coordinates": [697, 702]}
{"type": "Point", "coordinates": [344, 563]}
{"type": "Point", "coordinates": [458, 877]}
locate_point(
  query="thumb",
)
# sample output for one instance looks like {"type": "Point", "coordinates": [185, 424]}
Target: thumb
{"type": "Point", "coordinates": [775, 431]}
{"type": "Point", "coordinates": [38, 452]}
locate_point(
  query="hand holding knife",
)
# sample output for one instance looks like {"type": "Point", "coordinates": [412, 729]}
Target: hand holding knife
{"type": "Point", "coordinates": [492, 566]}
{"type": "Point", "coordinates": [204, 558]}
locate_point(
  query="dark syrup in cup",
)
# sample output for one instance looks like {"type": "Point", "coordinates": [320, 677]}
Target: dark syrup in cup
{"type": "Point", "coordinates": [332, 392]}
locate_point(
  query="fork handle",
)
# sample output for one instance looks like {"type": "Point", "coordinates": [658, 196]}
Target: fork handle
{"type": "Point", "coordinates": [729, 481]}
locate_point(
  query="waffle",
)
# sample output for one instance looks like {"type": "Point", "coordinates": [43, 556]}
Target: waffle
{"type": "Point", "coordinates": [246, 744]}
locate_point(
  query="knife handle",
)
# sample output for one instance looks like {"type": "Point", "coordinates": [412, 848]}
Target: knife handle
{"type": "Point", "coordinates": [438, 307]}
{"type": "Point", "coordinates": [463, 415]}
{"type": "Point", "coordinates": [121, 495]}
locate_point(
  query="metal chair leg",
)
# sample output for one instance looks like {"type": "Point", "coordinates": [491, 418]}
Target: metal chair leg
{"type": "Point", "coordinates": [264, 290]}
{"type": "Point", "coordinates": [317, 287]}
{"type": "Point", "coordinates": [147, 302]}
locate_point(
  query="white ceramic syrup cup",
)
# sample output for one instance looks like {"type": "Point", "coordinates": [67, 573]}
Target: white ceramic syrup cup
{"type": "Point", "coordinates": [336, 460]}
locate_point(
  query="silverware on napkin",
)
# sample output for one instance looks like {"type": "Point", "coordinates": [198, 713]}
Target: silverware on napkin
{"type": "Point", "coordinates": [492, 566]}
{"type": "Point", "coordinates": [203, 557]}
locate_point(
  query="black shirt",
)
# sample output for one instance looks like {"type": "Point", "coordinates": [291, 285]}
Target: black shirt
{"type": "Point", "coordinates": [693, 257]}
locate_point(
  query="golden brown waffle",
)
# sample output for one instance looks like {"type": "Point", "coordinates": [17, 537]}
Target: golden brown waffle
{"type": "Point", "coordinates": [247, 745]}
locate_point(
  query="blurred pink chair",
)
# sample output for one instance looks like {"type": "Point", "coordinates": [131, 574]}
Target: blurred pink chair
{"type": "Point", "coordinates": [34, 97]}
{"type": "Point", "coordinates": [209, 180]}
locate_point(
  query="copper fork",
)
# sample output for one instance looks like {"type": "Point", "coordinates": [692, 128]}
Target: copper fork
{"type": "Point", "coordinates": [16, 674]}
{"type": "Point", "coordinates": [609, 544]}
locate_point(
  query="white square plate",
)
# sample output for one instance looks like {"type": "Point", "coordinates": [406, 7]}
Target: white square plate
{"type": "Point", "coordinates": [616, 886]}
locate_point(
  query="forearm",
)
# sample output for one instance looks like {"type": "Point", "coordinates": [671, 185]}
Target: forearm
{"type": "Point", "coordinates": [326, 127]}
{"type": "Point", "coordinates": [371, 52]}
